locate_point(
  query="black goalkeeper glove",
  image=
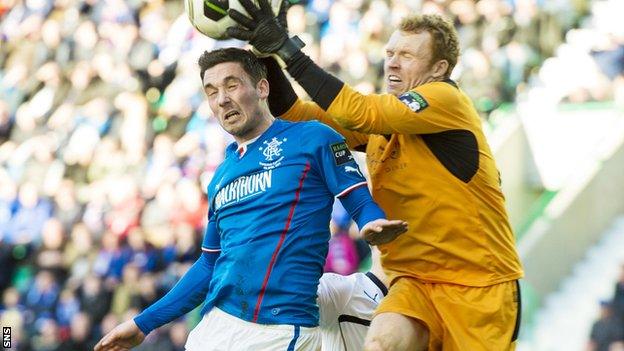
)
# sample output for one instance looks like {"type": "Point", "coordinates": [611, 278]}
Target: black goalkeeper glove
{"type": "Point", "coordinates": [264, 31]}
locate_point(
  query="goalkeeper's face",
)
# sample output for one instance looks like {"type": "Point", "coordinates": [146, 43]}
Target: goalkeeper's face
{"type": "Point", "coordinates": [407, 62]}
{"type": "Point", "coordinates": [235, 100]}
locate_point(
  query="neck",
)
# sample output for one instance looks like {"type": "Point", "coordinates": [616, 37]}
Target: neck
{"type": "Point", "coordinates": [266, 119]}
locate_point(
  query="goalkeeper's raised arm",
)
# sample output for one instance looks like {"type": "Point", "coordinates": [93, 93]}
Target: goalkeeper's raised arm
{"type": "Point", "coordinates": [430, 164]}
{"type": "Point", "coordinates": [409, 65]}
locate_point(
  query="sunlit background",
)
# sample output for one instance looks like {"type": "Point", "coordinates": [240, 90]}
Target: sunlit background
{"type": "Point", "coordinates": [107, 146]}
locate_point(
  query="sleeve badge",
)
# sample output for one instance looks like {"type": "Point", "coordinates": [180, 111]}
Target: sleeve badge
{"type": "Point", "coordinates": [341, 153]}
{"type": "Point", "coordinates": [414, 101]}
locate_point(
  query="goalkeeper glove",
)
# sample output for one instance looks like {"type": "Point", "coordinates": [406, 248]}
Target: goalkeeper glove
{"type": "Point", "coordinates": [267, 33]}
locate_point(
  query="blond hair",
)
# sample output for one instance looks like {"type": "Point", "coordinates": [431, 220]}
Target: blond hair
{"type": "Point", "coordinates": [445, 41]}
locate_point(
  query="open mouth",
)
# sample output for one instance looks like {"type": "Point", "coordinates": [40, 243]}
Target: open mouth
{"type": "Point", "coordinates": [394, 79]}
{"type": "Point", "coordinates": [231, 114]}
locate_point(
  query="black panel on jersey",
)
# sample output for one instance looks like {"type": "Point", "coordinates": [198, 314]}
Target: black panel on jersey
{"type": "Point", "coordinates": [457, 150]}
{"type": "Point", "coordinates": [361, 148]}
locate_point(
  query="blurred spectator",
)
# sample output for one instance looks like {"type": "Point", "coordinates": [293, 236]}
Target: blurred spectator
{"type": "Point", "coordinates": [595, 54]}
{"type": "Point", "coordinates": [47, 337]}
{"type": "Point", "coordinates": [80, 335]}
{"type": "Point", "coordinates": [29, 215]}
{"type": "Point", "coordinates": [42, 296]}
{"type": "Point", "coordinates": [68, 306]}
{"type": "Point", "coordinates": [95, 301]}
{"type": "Point", "coordinates": [50, 254]}
{"type": "Point", "coordinates": [12, 315]}
{"type": "Point", "coordinates": [618, 296]}
{"type": "Point", "coordinates": [608, 329]}
{"type": "Point", "coordinates": [126, 294]}
{"type": "Point", "coordinates": [6, 122]}
{"type": "Point", "coordinates": [342, 256]}
{"type": "Point", "coordinates": [7, 261]}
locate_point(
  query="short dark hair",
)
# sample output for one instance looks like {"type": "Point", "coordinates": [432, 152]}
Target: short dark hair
{"type": "Point", "coordinates": [250, 63]}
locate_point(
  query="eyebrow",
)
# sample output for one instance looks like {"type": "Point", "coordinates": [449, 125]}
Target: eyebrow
{"type": "Point", "coordinates": [226, 80]}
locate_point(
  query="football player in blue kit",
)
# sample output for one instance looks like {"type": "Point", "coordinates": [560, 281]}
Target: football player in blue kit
{"type": "Point", "coordinates": [268, 227]}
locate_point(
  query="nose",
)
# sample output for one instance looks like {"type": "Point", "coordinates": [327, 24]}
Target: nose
{"type": "Point", "coordinates": [392, 61]}
{"type": "Point", "coordinates": [223, 98]}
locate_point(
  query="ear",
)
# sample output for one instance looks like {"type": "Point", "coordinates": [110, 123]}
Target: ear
{"type": "Point", "coordinates": [263, 88]}
{"type": "Point", "coordinates": [439, 68]}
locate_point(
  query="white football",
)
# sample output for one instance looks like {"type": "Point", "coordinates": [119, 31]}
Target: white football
{"type": "Point", "coordinates": [210, 17]}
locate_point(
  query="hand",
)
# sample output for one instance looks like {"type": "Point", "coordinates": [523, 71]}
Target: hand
{"type": "Point", "coordinates": [124, 337]}
{"type": "Point", "coordinates": [382, 231]}
{"type": "Point", "coordinates": [267, 33]}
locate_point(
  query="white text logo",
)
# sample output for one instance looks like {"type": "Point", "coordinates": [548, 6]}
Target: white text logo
{"type": "Point", "coordinates": [242, 188]}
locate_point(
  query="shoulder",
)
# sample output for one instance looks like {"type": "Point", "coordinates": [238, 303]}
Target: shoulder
{"type": "Point", "coordinates": [443, 100]}
{"type": "Point", "coordinates": [315, 127]}
{"type": "Point", "coordinates": [446, 91]}
{"type": "Point", "coordinates": [219, 172]}
{"type": "Point", "coordinates": [314, 134]}
{"type": "Point", "coordinates": [434, 95]}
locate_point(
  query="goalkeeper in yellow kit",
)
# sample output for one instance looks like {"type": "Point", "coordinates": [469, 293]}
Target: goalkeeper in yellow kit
{"type": "Point", "coordinates": [454, 273]}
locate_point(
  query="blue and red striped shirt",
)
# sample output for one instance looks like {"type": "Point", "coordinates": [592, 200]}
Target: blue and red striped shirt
{"type": "Point", "coordinates": [268, 230]}
{"type": "Point", "coordinates": [271, 208]}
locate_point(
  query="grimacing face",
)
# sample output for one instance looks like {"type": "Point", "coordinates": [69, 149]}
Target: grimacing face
{"type": "Point", "coordinates": [234, 99]}
{"type": "Point", "coordinates": [407, 62]}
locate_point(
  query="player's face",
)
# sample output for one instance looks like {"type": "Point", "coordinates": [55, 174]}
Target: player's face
{"type": "Point", "coordinates": [235, 99]}
{"type": "Point", "coordinates": [407, 62]}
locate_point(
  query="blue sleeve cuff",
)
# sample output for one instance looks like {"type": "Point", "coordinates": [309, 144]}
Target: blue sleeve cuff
{"type": "Point", "coordinates": [361, 207]}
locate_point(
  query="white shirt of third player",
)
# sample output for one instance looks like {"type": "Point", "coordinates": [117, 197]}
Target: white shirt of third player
{"type": "Point", "coordinates": [346, 305]}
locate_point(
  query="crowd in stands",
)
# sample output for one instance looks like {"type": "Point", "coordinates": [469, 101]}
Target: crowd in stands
{"type": "Point", "coordinates": [107, 144]}
{"type": "Point", "coordinates": [589, 65]}
{"type": "Point", "coordinates": [607, 332]}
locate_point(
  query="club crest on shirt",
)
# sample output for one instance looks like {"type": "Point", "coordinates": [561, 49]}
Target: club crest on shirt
{"type": "Point", "coordinates": [414, 101]}
{"type": "Point", "coordinates": [272, 152]}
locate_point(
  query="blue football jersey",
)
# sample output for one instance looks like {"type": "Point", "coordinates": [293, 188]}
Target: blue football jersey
{"type": "Point", "coordinates": [269, 211]}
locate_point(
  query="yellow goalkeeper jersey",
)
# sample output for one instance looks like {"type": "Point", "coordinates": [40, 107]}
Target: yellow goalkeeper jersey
{"type": "Point", "coordinates": [430, 165]}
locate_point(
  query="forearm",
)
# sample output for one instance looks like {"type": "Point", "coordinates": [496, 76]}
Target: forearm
{"type": "Point", "coordinates": [284, 103]}
{"type": "Point", "coordinates": [379, 113]}
{"type": "Point", "coordinates": [320, 85]}
{"type": "Point", "coordinates": [352, 111]}
{"type": "Point", "coordinates": [361, 207]}
{"type": "Point", "coordinates": [282, 96]}
{"type": "Point", "coordinates": [187, 294]}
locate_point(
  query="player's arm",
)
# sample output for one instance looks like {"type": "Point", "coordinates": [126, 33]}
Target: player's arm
{"type": "Point", "coordinates": [369, 114]}
{"type": "Point", "coordinates": [284, 103]}
{"type": "Point", "coordinates": [187, 294]}
{"type": "Point", "coordinates": [344, 179]}
{"type": "Point", "coordinates": [370, 218]}
{"type": "Point", "coordinates": [424, 110]}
